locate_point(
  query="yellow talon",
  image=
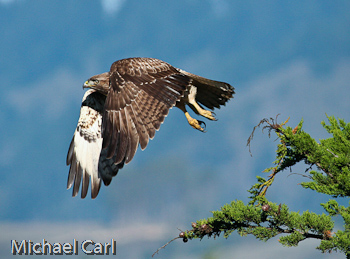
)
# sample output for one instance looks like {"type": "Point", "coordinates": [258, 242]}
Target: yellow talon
{"type": "Point", "coordinates": [207, 114]}
{"type": "Point", "coordinates": [194, 123]}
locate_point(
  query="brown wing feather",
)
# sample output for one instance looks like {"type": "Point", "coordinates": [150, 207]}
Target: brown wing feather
{"type": "Point", "coordinates": [142, 90]}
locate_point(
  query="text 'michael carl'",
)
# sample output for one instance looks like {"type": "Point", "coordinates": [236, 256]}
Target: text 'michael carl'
{"type": "Point", "coordinates": [89, 247]}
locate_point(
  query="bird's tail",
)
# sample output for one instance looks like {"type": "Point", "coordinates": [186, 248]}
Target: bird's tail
{"type": "Point", "coordinates": [211, 93]}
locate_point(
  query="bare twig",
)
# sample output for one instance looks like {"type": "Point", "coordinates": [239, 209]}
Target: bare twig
{"type": "Point", "coordinates": [332, 153]}
{"type": "Point", "coordinates": [271, 125]}
{"type": "Point", "coordinates": [160, 248]}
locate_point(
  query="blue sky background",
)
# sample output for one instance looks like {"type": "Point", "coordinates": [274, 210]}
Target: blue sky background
{"type": "Point", "coordinates": [290, 57]}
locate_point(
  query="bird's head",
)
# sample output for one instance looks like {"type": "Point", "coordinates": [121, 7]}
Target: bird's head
{"type": "Point", "coordinates": [99, 83]}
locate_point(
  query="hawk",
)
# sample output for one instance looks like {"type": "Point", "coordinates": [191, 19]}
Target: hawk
{"type": "Point", "coordinates": [123, 108]}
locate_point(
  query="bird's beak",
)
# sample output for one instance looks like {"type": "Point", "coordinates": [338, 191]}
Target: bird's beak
{"type": "Point", "coordinates": [88, 84]}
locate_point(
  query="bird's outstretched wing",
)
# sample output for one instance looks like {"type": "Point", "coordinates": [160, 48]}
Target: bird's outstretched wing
{"type": "Point", "coordinates": [142, 90]}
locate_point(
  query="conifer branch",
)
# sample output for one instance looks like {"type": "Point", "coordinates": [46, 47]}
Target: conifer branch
{"type": "Point", "coordinates": [265, 219]}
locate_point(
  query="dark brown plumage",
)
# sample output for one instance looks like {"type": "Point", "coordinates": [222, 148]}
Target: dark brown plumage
{"type": "Point", "coordinates": [125, 107]}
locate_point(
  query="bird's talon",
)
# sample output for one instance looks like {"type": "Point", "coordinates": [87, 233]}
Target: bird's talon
{"type": "Point", "coordinates": [214, 116]}
{"type": "Point", "coordinates": [201, 123]}
{"type": "Point", "coordinates": [208, 114]}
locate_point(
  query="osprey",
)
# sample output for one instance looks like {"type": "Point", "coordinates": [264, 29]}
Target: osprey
{"type": "Point", "coordinates": [124, 107]}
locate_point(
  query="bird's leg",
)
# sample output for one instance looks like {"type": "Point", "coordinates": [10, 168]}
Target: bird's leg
{"type": "Point", "coordinates": [196, 107]}
{"type": "Point", "coordinates": [196, 124]}
{"type": "Point", "coordinates": [205, 113]}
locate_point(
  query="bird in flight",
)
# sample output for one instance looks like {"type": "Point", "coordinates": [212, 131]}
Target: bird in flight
{"type": "Point", "coordinates": [123, 108]}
